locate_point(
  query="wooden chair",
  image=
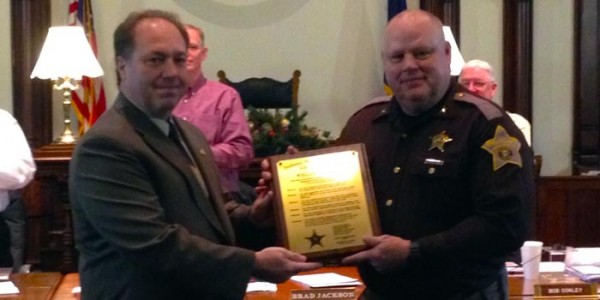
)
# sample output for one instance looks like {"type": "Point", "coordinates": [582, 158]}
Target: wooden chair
{"type": "Point", "coordinates": [265, 92]}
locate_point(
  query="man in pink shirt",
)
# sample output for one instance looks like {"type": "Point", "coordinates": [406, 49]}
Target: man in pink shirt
{"type": "Point", "coordinates": [216, 109]}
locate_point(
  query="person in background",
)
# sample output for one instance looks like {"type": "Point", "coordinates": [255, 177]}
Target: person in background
{"type": "Point", "coordinates": [17, 169]}
{"type": "Point", "coordinates": [478, 77]}
{"type": "Point", "coordinates": [451, 173]}
{"type": "Point", "coordinates": [216, 109]}
{"type": "Point", "coordinates": [148, 210]}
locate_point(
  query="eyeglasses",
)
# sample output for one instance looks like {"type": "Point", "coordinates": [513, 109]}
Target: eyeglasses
{"type": "Point", "coordinates": [476, 83]}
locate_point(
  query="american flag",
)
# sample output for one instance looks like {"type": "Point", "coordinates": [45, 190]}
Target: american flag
{"type": "Point", "coordinates": [92, 104]}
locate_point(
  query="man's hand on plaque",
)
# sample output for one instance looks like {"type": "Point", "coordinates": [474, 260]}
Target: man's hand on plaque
{"type": "Point", "coordinates": [385, 253]}
{"type": "Point", "coordinates": [266, 175]}
{"type": "Point", "coordinates": [277, 264]}
{"type": "Point", "coordinates": [261, 211]}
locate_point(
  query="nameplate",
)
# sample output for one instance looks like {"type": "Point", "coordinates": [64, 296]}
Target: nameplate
{"type": "Point", "coordinates": [565, 290]}
{"type": "Point", "coordinates": [331, 294]}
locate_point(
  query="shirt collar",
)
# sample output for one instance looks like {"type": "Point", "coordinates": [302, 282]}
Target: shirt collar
{"type": "Point", "coordinates": [163, 125]}
{"type": "Point", "coordinates": [196, 85]}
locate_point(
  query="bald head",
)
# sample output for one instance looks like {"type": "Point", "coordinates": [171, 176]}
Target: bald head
{"type": "Point", "coordinates": [416, 18]}
{"type": "Point", "coordinates": [416, 59]}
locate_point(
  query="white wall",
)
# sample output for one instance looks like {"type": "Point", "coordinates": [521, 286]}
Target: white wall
{"type": "Point", "coordinates": [481, 35]}
{"type": "Point", "coordinates": [335, 43]}
{"type": "Point", "coordinates": [553, 84]}
{"type": "Point", "coordinates": [5, 55]}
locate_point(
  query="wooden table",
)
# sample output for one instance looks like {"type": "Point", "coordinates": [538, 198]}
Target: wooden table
{"type": "Point", "coordinates": [519, 288]}
{"type": "Point", "coordinates": [34, 286]}
{"type": "Point", "coordinates": [284, 289]}
{"type": "Point", "coordinates": [71, 280]}
{"type": "Point", "coordinates": [63, 292]}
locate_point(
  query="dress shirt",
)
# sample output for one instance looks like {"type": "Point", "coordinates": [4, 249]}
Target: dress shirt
{"type": "Point", "coordinates": [16, 162]}
{"type": "Point", "coordinates": [216, 109]}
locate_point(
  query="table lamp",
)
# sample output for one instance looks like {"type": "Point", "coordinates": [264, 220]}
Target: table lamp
{"type": "Point", "coordinates": [65, 58]}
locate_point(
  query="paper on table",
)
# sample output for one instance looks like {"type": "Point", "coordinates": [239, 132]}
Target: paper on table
{"type": "Point", "coordinates": [552, 266]}
{"type": "Point", "coordinates": [261, 286]}
{"type": "Point", "coordinates": [4, 273]}
{"type": "Point", "coordinates": [326, 280]}
{"type": "Point", "coordinates": [587, 273]}
{"type": "Point", "coordinates": [7, 287]}
{"type": "Point", "coordinates": [545, 267]}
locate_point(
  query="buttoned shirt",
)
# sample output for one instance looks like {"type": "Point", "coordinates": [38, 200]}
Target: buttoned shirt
{"type": "Point", "coordinates": [16, 162]}
{"type": "Point", "coordinates": [522, 124]}
{"type": "Point", "coordinates": [216, 109]}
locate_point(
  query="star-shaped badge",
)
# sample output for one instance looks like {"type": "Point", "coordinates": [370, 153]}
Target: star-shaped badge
{"type": "Point", "coordinates": [315, 239]}
{"type": "Point", "coordinates": [439, 140]}
{"type": "Point", "coordinates": [504, 149]}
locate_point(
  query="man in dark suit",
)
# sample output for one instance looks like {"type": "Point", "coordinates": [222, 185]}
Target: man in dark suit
{"type": "Point", "coordinates": [149, 218]}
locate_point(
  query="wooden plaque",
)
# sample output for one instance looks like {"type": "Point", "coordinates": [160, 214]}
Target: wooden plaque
{"type": "Point", "coordinates": [324, 201]}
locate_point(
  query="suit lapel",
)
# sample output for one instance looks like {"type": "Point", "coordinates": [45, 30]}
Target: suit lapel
{"type": "Point", "coordinates": [203, 156]}
{"type": "Point", "coordinates": [161, 144]}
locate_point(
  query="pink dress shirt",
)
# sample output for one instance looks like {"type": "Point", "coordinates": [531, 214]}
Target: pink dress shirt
{"type": "Point", "coordinates": [216, 109]}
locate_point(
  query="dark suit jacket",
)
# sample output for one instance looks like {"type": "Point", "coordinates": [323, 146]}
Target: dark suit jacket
{"type": "Point", "coordinates": [143, 225]}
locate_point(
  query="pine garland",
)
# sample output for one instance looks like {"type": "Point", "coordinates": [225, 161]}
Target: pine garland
{"type": "Point", "coordinates": [272, 132]}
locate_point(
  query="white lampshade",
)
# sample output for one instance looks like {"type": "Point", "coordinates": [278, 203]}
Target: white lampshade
{"type": "Point", "coordinates": [456, 60]}
{"type": "Point", "coordinates": [66, 54]}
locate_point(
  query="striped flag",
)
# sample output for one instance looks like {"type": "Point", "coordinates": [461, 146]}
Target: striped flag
{"type": "Point", "coordinates": [394, 7]}
{"type": "Point", "coordinates": [92, 103]}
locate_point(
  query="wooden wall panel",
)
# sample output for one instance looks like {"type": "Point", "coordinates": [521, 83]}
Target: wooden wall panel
{"type": "Point", "coordinates": [586, 127]}
{"type": "Point", "coordinates": [517, 56]}
{"type": "Point", "coordinates": [584, 211]}
{"type": "Point", "coordinates": [446, 10]}
{"type": "Point", "coordinates": [568, 211]}
{"type": "Point", "coordinates": [32, 98]}
{"type": "Point", "coordinates": [551, 213]}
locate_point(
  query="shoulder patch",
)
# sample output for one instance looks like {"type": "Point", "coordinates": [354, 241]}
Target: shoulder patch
{"type": "Point", "coordinates": [504, 149]}
{"type": "Point", "coordinates": [381, 102]}
{"type": "Point", "coordinates": [488, 108]}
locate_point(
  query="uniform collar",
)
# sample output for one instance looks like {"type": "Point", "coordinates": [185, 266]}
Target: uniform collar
{"type": "Point", "coordinates": [400, 120]}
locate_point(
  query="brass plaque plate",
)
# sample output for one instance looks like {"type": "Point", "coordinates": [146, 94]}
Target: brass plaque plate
{"type": "Point", "coordinates": [324, 201]}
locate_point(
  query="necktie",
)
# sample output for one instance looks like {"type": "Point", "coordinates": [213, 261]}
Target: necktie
{"type": "Point", "coordinates": [174, 136]}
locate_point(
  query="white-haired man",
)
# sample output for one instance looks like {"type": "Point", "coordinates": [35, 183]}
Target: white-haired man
{"type": "Point", "coordinates": [478, 77]}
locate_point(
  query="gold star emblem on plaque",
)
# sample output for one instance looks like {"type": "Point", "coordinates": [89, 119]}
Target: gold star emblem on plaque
{"type": "Point", "coordinates": [504, 149]}
{"type": "Point", "coordinates": [439, 140]}
{"type": "Point", "coordinates": [315, 239]}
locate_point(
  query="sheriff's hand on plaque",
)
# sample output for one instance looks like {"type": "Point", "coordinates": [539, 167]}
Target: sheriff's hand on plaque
{"type": "Point", "coordinates": [324, 202]}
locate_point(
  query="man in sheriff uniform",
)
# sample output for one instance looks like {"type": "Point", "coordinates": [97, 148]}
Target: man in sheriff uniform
{"type": "Point", "coordinates": [452, 176]}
